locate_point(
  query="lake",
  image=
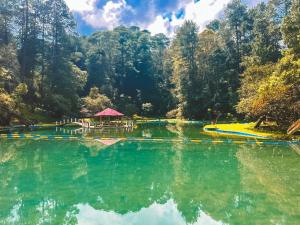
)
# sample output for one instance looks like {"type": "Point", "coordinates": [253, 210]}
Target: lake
{"type": "Point", "coordinates": [165, 179]}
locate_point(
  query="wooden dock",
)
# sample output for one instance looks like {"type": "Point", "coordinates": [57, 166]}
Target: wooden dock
{"type": "Point", "coordinates": [96, 125]}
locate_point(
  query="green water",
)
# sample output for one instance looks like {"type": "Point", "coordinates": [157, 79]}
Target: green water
{"type": "Point", "coordinates": [147, 183]}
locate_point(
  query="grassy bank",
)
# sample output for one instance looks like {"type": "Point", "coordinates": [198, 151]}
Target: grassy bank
{"type": "Point", "coordinates": [247, 128]}
{"type": "Point", "coordinates": [166, 121]}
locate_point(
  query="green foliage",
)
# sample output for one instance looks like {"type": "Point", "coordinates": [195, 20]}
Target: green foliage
{"type": "Point", "coordinates": [271, 88]}
{"type": "Point", "coordinates": [9, 65]}
{"type": "Point", "coordinates": [266, 34]}
{"type": "Point", "coordinates": [239, 23]}
{"type": "Point", "coordinates": [252, 54]}
{"type": "Point", "coordinates": [7, 106]}
{"type": "Point", "coordinates": [251, 80]}
{"type": "Point", "coordinates": [273, 91]}
{"type": "Point", "coordinates": [147, 108]}
{"type": "Point", "coordinates": [95, 102]}
{"type": "Point", "coordinates": [185, 69]}
{"type": "Point", "coordinates": [126, 64]}
{"type": "Point", "coordinates": [59, 105]}
{"type": "Point", "coordinates": [291, 28]}
{"type": "Point", "coordinates": [39, 67]}
{"type": "Point", "coordinates": [21, 90]}
{"type": "Point", "coordinates": [214, 25]}
{"type": "Point", "coordinates": [218, 78]}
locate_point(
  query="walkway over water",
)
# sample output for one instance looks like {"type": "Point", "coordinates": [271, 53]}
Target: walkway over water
{"type": "Point", "coordinates": [125, 123]}
{"type": "Point", "coordinates": [185, 140]}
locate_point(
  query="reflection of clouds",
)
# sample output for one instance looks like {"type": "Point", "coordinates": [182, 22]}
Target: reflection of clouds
{"type": "Point", "coordinates": [155, 214]}
{"type": "Point", "coordinates": [14, 216]}
{"type": "Point", "coordinates": [46, 208]}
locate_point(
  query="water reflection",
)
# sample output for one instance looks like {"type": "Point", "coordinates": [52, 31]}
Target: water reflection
{"type": "Point", "coordinates": [94, 132]}
{"type": "Point", "coordinates": [270, 175]}
{"type": "Point", "coordinates": [47, 182]}
{"type": "Point", "coordinates": [166, 214]}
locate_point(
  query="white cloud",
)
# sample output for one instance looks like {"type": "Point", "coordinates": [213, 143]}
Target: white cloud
{"type": "Point", "coordinates": [204, 11]}
{"type": "Point", "coordinates": [160, 25]}
{"type": "Point", "coordinates": [148, 16]}
{"type": "Point", "coordinates": [107, 17]}
{"type": "Point", "coordinates": [81, 5]}
{"type": "Point", "coordinates": [200, 12]}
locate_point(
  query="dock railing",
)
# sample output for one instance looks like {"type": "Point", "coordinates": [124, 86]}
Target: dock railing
{"type": "Point", "coordinates": [89, 124]}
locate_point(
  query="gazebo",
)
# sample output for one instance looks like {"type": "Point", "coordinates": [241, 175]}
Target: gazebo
{"type": "Point", "coordinates": [107, 114]}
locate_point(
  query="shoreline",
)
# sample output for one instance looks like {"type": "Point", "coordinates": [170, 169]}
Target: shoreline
{"type": "Point", "coordinates": [246, 130]}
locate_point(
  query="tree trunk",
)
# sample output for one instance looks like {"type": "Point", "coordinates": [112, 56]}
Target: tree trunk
{"type": "Point", "coordinates": [43, 58]}
{"type": "Point", "coordinates": [294, 127]}
{"type": "Point", "coordinates": [24, 40]}
{"type": "Point", "coordinates": [259, 121]}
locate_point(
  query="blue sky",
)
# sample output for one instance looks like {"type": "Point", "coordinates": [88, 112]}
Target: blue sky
{"type": "Point", "coordinates": [158, 16]}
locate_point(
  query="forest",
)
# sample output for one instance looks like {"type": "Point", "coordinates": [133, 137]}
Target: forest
{"type": "Point", "coordinates": [245, 64]}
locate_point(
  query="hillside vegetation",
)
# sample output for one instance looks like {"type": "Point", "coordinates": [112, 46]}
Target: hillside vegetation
{"type": "Point", "coordinates": [244, 64]}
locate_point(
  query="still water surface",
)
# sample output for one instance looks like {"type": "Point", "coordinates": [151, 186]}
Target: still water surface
{"type": "Point", "coordinates": [147, 183]}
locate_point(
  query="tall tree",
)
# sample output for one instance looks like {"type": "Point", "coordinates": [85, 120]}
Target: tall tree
{"type": "Point", "coordinates": [280, 9]}
{"type": "Point", "coordinates": [185, 70]}
{"type": "Point", "coordinates": [217, 87]}
{"type": "Point", "coordinates": [267, 36]}
{"type": "Point", "coordinates": [291, 28]}
{"type": "Point", "coordinates": [237, 19]}
{"type": "Point", "coordinates": [273, 89]}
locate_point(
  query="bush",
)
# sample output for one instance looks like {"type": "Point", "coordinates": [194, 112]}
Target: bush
{"type": "Point", "coordinates": [96, 102]}
{"type": "Point", "coordinates": [276, 95]}
{"type": "Point", "coordinates": [147, 108]}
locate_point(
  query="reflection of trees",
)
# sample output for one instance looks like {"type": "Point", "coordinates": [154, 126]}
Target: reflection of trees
{"type": "Point", "coordinates": [48, 178]}
{"type": "Point", "coordinates": [40, 181]}
{"type": "Point", "coordinates": [176, 129]}
{"type": "Point", "coordinates": [135, 176]}
{"type": "Point", "coordinates": [44, 181]}
{"type": "Point", "coordinates": [8, 149]}
{"type": "Point", "coordinates": [205, 177]}
{"type": "Point", "coordinates": [207, 180]}
{"type": "Point", "coordinates": [270, 178]}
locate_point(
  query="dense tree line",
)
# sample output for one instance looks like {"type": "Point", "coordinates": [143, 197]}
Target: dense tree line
{"type": "Point", "coordinates": [126, 64]}
{"type": "Point", "coordinates": [271, 79]}
{"type": "Point", "coordinates": [38, 74]}
{"type": "Point", "coordinates": [247, 62]}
